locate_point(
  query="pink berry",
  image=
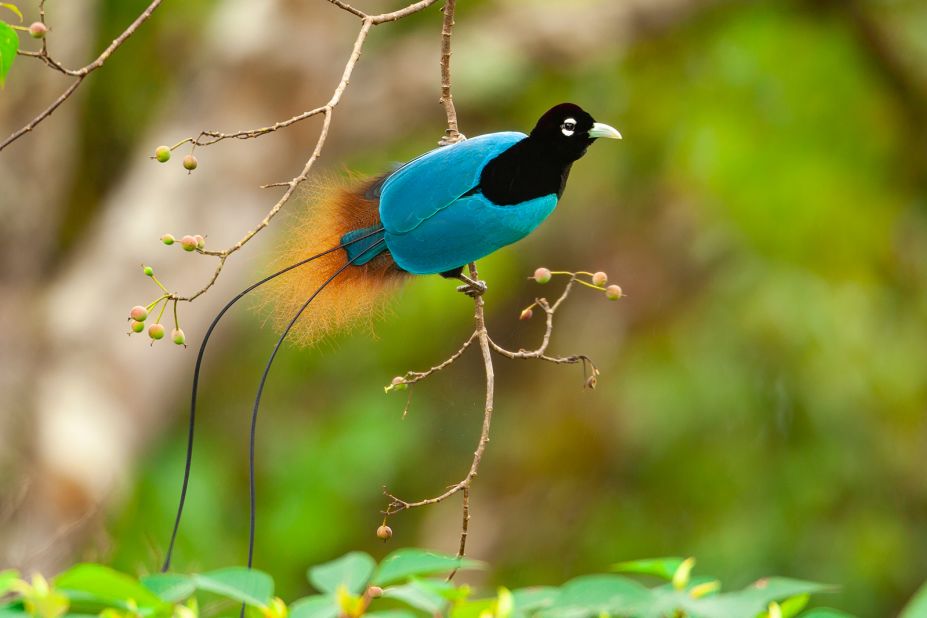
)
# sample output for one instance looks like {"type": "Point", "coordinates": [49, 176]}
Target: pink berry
{"type": "Point", "coordinates": [374, 592]}
{"type": "Point", "coordinates": [384, 532]}
{"type": "Point", "coordinates": [188, 243]}
{"type": "Point", "coordinates": [178, 337]}
{"type": "Point", "coordinates": [599, 279]}
{"type": "Point", "coordinates": [613, 292]}
{"type": "Point", "coordinates": [542, 275]}
{"type": "Point", "coordinates": [156, 331]}
{"type": "Point", "coordinates": [200, 242]}
{"type": "Point", "coordinates": [138, 313]}
{"type": "Point", "coordinates": [38, 30]}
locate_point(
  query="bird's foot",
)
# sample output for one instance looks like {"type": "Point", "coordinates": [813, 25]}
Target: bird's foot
{"type": "Point", "coordinates": [471, 288]}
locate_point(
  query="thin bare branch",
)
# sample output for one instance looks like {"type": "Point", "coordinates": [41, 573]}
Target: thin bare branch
{"type": "Point", "coordinates": [325, 111]}
{"type": "Point", "coordinates": [487, 346]}
{"type": "Point", "coordinates": [397, 504]}
{"type": "Point", "coordinates": [447, 100]}
{"type": "Point", "coordinates": [81, 73]}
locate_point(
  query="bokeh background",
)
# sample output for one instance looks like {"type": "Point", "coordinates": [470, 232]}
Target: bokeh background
{"type": "Point", "coordinates": [764, 383]}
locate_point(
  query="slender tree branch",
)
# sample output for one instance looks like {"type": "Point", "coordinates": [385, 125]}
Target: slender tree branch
{"type": "Point", "coordinates": [207, 138]}
{"type": "Point", "coordinates": [81, 73]}
{"type": "Point", "coordinates": [447, 100]}
{"type": "Point", "coordinates": [487, 346]}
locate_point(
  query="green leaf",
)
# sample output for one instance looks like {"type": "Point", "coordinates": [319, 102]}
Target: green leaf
{"type": "Point", "coordinates": [392, 613]}
{"type": "Point", "coordinates": [418, 596]}
{"type": "Point", "coordinates": [95, 582]}
{"type": "Point", "coordinates": [316, 606]}
{"type": "Point", "coordinates": [249, 586]}
{"type": "Point", "coordinates": [917, 606]}
{"type": "Point", "coordinates": [13, 8]}
{"type": "Point", "coordinates": [534, 598]}
{"type": "Point", "coordinates": [659, 567]}
{"type": "Point", "coordinates": [352, 571]}
{"type": "Point", "coordinates": [756, 598]}
{"type": "Point", "coordinates": [473, 609]}
{"type": "Point", "coordinates": [592, 595]}
{"type": "Point", "coordinates": [6, 580]}
{"type": "Point", "coordinates": [13, 612]}
{"type": "Point", "coordinates": [170, 587]}
{"type": "Point", "coordinates": [826, 612]}
{"type": "Point", "coordinates": [405, 563]}
{"type": "Point", "coordinates": [791, 606]}
{"type": "Point", "coordinates": [9, 43]}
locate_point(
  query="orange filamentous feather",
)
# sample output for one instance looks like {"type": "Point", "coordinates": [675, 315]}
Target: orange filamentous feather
{"type": "Point", "coordinates": [354, 298]}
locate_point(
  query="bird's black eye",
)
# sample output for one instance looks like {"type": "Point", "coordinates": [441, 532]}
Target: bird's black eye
{"type": "Point", "coordinates": [568, 127]}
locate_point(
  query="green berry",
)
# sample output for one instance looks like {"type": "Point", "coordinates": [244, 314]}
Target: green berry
{"type": "Point", "coordinates": [542, 275]}
{"type": "Point", "coordinates": [138, 313]}
{"type": "Point", "coordinates": [149, 271]}
{"type": "Point", "coordinates": [156, 331]}
{"type": "Point", "coordinates": [38, 30]}
{"type": "Point", "coordinates": [137, 326]}
{"type": "Point", "coordinates": [163, 154]}
{"type": "Point", "coordinates": [168, 239]}
{"type": "Point", "coordinates": [384, 532]}
{"type": "Point", "coordinates": [189, 163]}
{"type": "Point", "coordinates": [599, 279]}
{"type": "Point", "coordinates": [188, 243]}
{"type": "Point", "coordinates": [613, 292]}
{"type": "Point", "coordinates": [200, 242]}
{"type": "Point", "coordinates": [178, 337]}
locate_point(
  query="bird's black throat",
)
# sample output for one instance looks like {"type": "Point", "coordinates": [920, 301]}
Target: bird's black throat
{"type": "Point", "coordinates": [530, 169]}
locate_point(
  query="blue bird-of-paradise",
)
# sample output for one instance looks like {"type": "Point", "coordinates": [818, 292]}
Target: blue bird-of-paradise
{"type": "Point", "coordinates": [433, 215]}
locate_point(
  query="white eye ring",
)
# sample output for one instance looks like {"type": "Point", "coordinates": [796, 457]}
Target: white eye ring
{"type": "Point", "coordinates": [568, 127]}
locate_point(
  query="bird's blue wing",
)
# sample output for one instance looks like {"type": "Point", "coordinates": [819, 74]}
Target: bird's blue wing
{"type": "Point", "coordinates": [424, 186]}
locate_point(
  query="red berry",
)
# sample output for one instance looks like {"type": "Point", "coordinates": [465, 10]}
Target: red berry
{"type": "Point", "coordinates": [189, 163]}
{"type": "Point", "coordinates": [188, 243]}
{"type": "Point", "coordinates": [163, 154]}
{"type": "Point", "coordinates": [156, 331]}
{"type": "Point", "coordinates": [542, 275]}
{"type": "Point", "coordinates": [138, 313]}
{"type": "Point", "coordinates": [613, 292]}
{"type": "Point", "coordinates": [599, 279]}
{"type": "Point", "coordinates": [526, 314]}
{"type": "Point", "coordinates": [137, 326]}
{"type": "Point", "coordinates": [178, 337]}
{"type": "Point", "coordinates": [384, 532]}
{"type": "Point", "coordinates": [38, 30]}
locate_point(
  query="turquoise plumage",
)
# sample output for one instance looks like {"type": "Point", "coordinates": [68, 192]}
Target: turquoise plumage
{"type": "Point", "coordinates": [432, 224]}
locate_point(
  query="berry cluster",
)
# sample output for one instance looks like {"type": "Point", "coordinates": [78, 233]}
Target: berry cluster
{"type": "Point", "coordinates": [163, 155]}
{"type": "Point", "coordinates": [189, 242]}
{"type": "Point", "coordinates": [140, 313]}
{"type": "Point", "coordinates": [596, 281]}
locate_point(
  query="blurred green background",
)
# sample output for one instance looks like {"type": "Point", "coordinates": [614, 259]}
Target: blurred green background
{"type": "Point", "coordinates": [764, 382]}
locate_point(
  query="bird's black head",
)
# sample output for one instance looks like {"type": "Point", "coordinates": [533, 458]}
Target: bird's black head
{"type": "Point", "coordinates": [566, 130]}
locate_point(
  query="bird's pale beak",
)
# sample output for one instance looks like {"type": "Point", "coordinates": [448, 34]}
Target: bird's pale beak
{"type": "Point", "coordinates": [600, 129]}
